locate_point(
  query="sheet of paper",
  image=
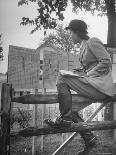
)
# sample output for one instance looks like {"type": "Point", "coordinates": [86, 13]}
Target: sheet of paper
{"type": "Point", "coordinates": [69, 73]}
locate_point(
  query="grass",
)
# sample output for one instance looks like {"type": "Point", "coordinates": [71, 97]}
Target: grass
{"type": "Point", "coordinates": [23, 146]}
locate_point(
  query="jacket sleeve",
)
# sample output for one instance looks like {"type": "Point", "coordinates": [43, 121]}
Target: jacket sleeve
{"type": "Point", "coordinates": [104, 65]}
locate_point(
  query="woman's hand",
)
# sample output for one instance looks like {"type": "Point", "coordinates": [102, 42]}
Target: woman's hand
{"type": "Point", "coordinates": [79, 71]}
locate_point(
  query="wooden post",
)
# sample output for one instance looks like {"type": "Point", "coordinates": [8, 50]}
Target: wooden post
{"type": "Point", "coordinates": [43, 117]}
{"type": "Point", "coordinates": [43, 92]}
{"type": "Point", "coordinates": [34, 140]}
{"type": "Point", "coordinates": [5, 119]}
{"type": "Point", "coordinates": [114, 117]}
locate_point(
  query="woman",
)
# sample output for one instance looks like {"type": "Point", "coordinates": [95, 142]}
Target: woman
{"type": "Point", "coordinates": [95, 81]}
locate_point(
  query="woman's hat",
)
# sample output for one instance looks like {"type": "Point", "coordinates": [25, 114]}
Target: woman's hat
{"type": "Point", "coordinates": [77, 25]}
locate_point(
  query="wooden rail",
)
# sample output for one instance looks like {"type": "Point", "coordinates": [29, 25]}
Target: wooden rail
{"type": "Point", "coordinates": [75, 127]}
{"type": "Point", "coordinates": [53, 98]}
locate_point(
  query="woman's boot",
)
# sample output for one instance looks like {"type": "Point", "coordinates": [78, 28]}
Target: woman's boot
{"type": "Point", "coordinates": [89, 138]}
{"type": "Point", "coordinates": [65, 107]}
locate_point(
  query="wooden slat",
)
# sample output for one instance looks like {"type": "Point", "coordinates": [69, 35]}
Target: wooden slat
{"type": "Point", "coordinates": [75, 127]}
{"type": "Point", "coordinates": [35, 121]}
{"type": "Point", "coordinates": [5, 119]}
{"type": "Point", "coordinates": [53, 98]}
{"type": "Point", "coordinates": [114, 118]}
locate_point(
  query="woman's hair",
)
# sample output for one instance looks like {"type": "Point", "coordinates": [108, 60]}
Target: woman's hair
{"type": "Point", "coordinates": [79, 27]}
{"type": "Point", "coordinates": [82, 35]}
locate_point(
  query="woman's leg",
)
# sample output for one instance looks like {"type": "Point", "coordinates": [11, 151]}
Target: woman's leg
{"type": "Point", "coordinates": [65, 101]}
{"type": "Point", "coordinates": [81, 86]}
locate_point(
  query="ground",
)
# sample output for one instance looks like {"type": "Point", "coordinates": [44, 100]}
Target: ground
{"type": "Point", "coordinates": [23, 146]}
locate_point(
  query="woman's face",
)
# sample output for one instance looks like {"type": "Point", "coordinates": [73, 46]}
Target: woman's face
{"type": "Point", "coordinates": [75, 37]}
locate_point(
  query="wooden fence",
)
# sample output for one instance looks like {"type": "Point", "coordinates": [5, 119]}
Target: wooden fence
{"type": "Point", "coordinates": [35, 69]}
{"type": "Point", "coordinates": [7, 99]}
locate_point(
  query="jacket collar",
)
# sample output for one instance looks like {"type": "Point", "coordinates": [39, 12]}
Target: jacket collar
{"type": "Point", "coordinates": [82, 49]}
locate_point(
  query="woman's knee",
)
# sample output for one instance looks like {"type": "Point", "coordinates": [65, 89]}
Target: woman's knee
{"type": "Point", "coordinates": [63, 88]}
{"type": "Point", "coordinates": [60, 79]}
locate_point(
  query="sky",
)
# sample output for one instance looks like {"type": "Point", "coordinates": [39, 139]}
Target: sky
{"type": "Point", "coordinates": [14, 34]}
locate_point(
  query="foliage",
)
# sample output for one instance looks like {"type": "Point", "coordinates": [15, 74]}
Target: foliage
{"type": "Point", "coordinates": [89, 5]}
{"type": "Point", "coordinates": [46, 8]}
{"type": "Point", "coordinates": [59, 38]}
{"type": "Point", "coordinates": [22, 117]}
{"type": "Point", "coordinates": [89, 111]}
{"type": "Point", "coordinates": [1, 48]}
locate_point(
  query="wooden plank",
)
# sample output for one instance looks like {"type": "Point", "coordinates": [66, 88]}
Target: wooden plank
{"type": "Point", "coordinates": [23, 67]}
{"type": "Point", "coordinates": [43, 117]}
{"type": "Point", "coordinates": [5, 119]}
{"type": "Point", "coordinates": [34, 139]}
{"type": "Point", "coordinates": [37, 99]}
{"type": "Point", "coordinates": [114, 118]}
{"type": "Point", "coordinates": [44, 82]}
{"type": "Point", "coordinates": [53, 98]}
{"type": "Point", "coordinates": [75, 127]}
{"type": "Point", "coordinates": [114, 113]}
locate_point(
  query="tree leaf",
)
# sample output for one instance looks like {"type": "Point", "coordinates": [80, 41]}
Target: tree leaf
{"type": "Point", "coordinates": [45, 8]}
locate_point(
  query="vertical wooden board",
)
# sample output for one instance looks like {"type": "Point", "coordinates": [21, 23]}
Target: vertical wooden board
{"type": "Point", "coordinates": [46, 65]}
{"type": "Point", "coordinates": [109, 109]}
{"type": "Point", "coordinates": [114, 117]}
{"type": "Point", "coordinates": [5, 119]}
{"type": "Point", "coordinates": [71, 61]}
{"type": "Point", "coordinates": [114, 112]}
{"type": "Point", "coordinates": [23, 66]}
{"type": "Point", "coordinates": [74, 58]}
{"type": "Point", "coordinates": [60, 62]}
{"type": "Point", "coordinates": [35, 123]}
{"type": "Point", "coordinates": [54, 65]}
{"type": "Point", "coordinates": [53, 62]}
{"type": "Point", "coordinates": [64, 61]}
{"type": "Point", "coordinates": [50, 70]}
{"type": "Point", "coordinates": [43, 117]}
